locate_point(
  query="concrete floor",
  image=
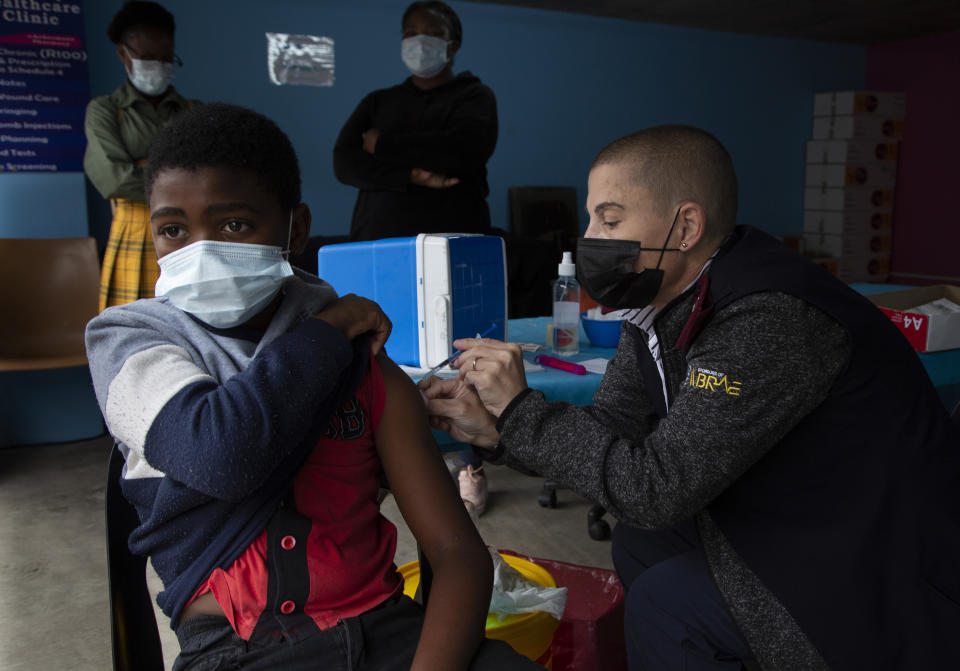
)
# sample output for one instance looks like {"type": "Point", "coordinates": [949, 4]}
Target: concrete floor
{"type": "Point", "coordinates": [53, 594]}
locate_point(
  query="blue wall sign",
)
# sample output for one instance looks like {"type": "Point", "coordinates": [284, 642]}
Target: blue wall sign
{"type": "Point", "coordinates": [44, 87]}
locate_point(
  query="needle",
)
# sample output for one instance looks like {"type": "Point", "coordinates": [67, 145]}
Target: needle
{"type": "Point", "coordinates": [449, 360]}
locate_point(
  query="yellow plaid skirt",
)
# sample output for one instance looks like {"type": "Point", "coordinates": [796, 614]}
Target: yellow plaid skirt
{"type": "Point", "coordinates": [130, 269]}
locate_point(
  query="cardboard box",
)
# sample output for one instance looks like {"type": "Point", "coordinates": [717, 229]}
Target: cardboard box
{"type": "Point", "coordinates": [829, 263]}
{"type": "Point", "coordinates": [856, 128]}
{"type": "Point", "coordinates": [927, 333]}
{"type": "Point", "coordinates": [885, 103]}
{"type": "Point", "coordinates": [841, 174]}
{"type": "Point", "coordinates": [847, 221]}
{"type": "Point", "coordinates": [794, 242]}
{"type": "Point", "coordinates": [847, 198]}
{"type": "Point", "coordinates": [851, 151]}
{"type": "Point", "coordinates": [850, 246]}
{"type": "Point", "coordinates": [864, 268]}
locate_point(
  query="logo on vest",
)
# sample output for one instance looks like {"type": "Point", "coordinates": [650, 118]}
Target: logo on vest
{"type": "Point", "coordinates": [711, 380]}
{"type": "Point", "coordinates": [347, 423]}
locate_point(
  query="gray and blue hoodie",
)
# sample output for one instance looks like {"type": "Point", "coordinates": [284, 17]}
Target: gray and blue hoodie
{"type": "Point", "coordinates": [214, 423]}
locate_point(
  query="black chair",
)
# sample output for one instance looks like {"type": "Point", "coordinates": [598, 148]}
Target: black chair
{"type": "Point", "coordinates": [543, 224]}
{"type": "Point", "coordinates": [133, 625]}
{"type": "Point", "coordinates": [547, 213]}
{"type": "Point", "coordinates": [307, 259]}
{"type": "Point", "coordinates": [531, 270]}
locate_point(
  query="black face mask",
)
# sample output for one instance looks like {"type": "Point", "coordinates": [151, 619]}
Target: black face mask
{"type": "Point", "coordinates": [605, 270]}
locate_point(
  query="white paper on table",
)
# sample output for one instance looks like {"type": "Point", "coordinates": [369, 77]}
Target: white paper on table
{"type": "Point", "coordinates": [598, 366]}
{"type": "Point", "coordinates": [532, 367]}
{"type": "Point", "coordinates": [448, 371]}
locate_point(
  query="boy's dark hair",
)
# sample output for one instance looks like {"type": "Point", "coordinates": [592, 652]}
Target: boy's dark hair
{"type": "Point", "coordinates": [139, 14]}
{"type": "Point", "coordinates": [229, 137]}
{"type": "Point", "coordinates": [442, 11]}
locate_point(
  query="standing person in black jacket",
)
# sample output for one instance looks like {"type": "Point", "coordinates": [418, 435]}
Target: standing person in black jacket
{"type": "Point", "coordinates": [418, 151]}
{"type": "Point", "coordinates": [418, 154]}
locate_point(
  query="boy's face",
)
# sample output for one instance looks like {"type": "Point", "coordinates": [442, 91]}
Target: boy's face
{"type": "Point", "coordinates": [187, 206]}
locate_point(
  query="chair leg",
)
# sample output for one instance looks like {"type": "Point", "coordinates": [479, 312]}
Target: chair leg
{"type": "Point", "coordinates": [597, 527]}
{"type": "Point", "coordinates": [548, 494]}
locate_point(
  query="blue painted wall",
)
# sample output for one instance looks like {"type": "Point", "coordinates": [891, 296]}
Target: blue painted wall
{"type": "Point", "coordinates": [43, 205]}
{"type": "Point", "coordinates": [566, 85]}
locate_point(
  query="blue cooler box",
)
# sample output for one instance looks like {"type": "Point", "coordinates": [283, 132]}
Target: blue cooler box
{"type": "Point", "coordinates": [435, 288]}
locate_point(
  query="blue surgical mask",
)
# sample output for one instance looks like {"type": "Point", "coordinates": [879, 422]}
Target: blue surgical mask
{"type": "Point", "coordinates": [223, 284]}
{"type": "Point", "coordinates": [424, 55]}
{"type": "Point", "coordinates": [150, 77]}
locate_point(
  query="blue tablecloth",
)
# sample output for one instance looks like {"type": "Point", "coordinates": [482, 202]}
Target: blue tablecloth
{"type": "Point", "coordinates": [558, 385]}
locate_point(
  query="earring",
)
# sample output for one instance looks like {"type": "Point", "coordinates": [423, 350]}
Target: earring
{"type": "Point", "coordinates": [683, 244]}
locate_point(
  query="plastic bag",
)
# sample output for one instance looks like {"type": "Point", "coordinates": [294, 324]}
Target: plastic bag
{"type": "Point", "coordinates": [513, 593]}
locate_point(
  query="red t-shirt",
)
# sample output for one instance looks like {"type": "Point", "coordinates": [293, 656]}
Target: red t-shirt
{"type": "Point", "coordinates": [350, 547]}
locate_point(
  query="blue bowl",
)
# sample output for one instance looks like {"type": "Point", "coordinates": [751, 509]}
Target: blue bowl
{"type": "Point", "coordinates": [601, 332]}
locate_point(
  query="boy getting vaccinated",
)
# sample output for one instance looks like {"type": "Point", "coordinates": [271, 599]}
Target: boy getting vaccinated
{"type": "Point", "coordinates": [256, 412]}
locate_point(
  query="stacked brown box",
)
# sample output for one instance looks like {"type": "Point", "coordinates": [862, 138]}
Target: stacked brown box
{"type": "Point", "coordinates": [851, 172]}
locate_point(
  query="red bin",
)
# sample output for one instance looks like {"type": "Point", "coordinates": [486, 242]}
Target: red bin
{"type": "Point", "coordinates": [590, 635]}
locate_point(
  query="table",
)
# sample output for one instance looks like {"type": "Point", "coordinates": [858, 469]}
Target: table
{"type": "Point", "coordinates": [557, 385]}
{"type": "Point", "coordinates": [943, 367]}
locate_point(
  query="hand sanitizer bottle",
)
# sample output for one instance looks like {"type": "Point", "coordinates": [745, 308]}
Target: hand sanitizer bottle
{"type": "Point", "coordinates": [566, 308]}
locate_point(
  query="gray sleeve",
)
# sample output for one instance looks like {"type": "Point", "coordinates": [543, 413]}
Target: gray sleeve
{"type": "Point", "coordinates": [756, 370]}
{"type": "Point", "coordinates": [637, 418]}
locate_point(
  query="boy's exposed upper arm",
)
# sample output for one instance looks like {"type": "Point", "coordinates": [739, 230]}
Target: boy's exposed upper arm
{"type": "Point", "coordinates": [418, 477]}
{"type": "Point", "coordinates": [431, 506]}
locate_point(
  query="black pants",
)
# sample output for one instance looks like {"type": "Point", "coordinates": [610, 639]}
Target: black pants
{"type": "Point", "coordinates": [674, 616]}
{"type": "Point", "coordinates": [382, 639]}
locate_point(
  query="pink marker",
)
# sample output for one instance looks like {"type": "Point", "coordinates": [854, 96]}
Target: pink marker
{"type": "Point", "coordinates": [554, 362]}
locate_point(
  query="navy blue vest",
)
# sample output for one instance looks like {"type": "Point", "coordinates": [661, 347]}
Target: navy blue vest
{"type": "Point", "coordinates": [853, 519]}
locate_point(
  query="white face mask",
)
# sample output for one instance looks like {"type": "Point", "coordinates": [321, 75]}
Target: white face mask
{"type": "Point", "coordinates": [223, 284]}
{"type": "Point", "coordinates": [424, 55]}
{"type": "Point", "coordinates": [150, 77]}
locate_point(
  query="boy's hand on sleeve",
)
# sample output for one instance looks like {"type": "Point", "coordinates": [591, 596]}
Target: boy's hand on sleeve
{"type": "Point", "coordinates": [354, 315]}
